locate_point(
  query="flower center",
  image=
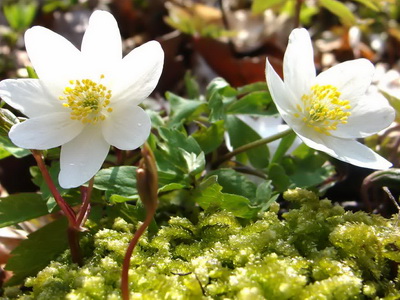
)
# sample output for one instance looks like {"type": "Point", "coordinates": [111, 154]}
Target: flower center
{"type": "Point", "coordinates": [322, 109]}
{"type": "Point", "coordinates": [89, 101]}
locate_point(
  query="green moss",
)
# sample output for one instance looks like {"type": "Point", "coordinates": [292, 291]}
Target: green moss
{"type": "Point", "coordinates": [316, 251]}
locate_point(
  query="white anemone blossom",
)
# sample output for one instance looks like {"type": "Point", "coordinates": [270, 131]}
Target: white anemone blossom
{"type": "Point", "coordinates": [329, 111]}
{"type": "Point", "coordinates": [83, 101]}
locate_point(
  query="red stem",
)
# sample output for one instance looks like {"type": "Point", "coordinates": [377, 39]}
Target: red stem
{"type": "Point", "coordinates": [73, 228]}
{"type": "Point", "coordinates": [68, 211]}
{"type": "Point", "coordinates": [85, 208]}
{"type": "Point", "coordinates": [73, 240]}
{"type": "Point", "coordinates": [129, 251]}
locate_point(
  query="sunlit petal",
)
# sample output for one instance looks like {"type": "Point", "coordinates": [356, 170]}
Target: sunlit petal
{"type": "Point", "coordinates": [330, 110]}
{"type": "Point", "coordinates": [348, 150]}
{"type": "Point", "coordinates": [128, 129]}
{"type": "Point", "coordinates": [352, 78]}
{"type": "Point", "coordinates": [298, 63]}
{"type": "Point", "coordinates": [284, 101]}
{"type": "Point", "coordinates": [45, 132]}
{"type": "Point", "coordinates": [101, 44]}
{"type": "Point", "coordinates": [82, 157]}
{"type": "Point", "coordinates": [54, 58]}
{"type": "Point", "coordinates": [370, 115]}
{"type": "Point", "coordinates": [29, 96]}
{"type": "Point", "coordinates": [139, 72]}
{"type": "Point", "coordinates": [85, 100]}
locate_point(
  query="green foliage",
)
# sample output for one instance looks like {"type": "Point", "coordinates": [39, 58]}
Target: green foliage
{"type": "Point", "coordinates": [37, 251]}
{"type": "Point", "coordinates": [240, 134]}
{"type": "Point", "coordinates": [255, 103]}
{"type": "Point", "coordinates": [20, 14]}
{"type": "Point", "coordinates": [193, 21]}
{"type": "Point", "coordinates": [71, 196]}
{"type": "Point", "coordinates": [210, 138]}
{"type": "Point", "coordinates": [340, 10]}
{"type": "Point", "coordinates": [21, 207]}
{"type": "Point", "coordinates": [209, 194]}
{"type": "Point", "coordinates": [52, 5]}
{"type": "Point", "coordinates": [315, 251]}
{"type": "Point", "coordinates": [179, 159]}
{"type": "Point", "coordinates": [183, 109]}
{"type": "Point", "coordinates": [119, 181]}
{"type": "Point", "coordinates": [259, 6]}
{"type": "Point", "coordinates": [7, 120]}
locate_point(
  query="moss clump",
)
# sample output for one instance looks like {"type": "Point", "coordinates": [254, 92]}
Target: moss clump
{"type": "Point", "coordinates": [317, 251]}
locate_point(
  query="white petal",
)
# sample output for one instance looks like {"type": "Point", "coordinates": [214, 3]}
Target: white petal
{"type": "Point", "coordinates": [54, 58]}
{"type": "Point", "coordinates": [370, 115]}
{"type": "Point", "coordinates": [138, 73]}
{"type": "Point", "coordinates": [298, 63]}
{"type": "Point", "coordinates": [82, 157]}
{"type": "Point", "coordinates": [347, 150]}
{"type": "Point", "coordinates": [101, 44]}
{"type": "Point", "coordinates": [282, 96]}
{"type": "Point", "coordinates": [29, 96]}
{"type": "Point", "coordinates": [352, 78]}
{"type": "Point", "coordinates": [127, 127]}
{"type": "Point", "coordinates": [45, 132]}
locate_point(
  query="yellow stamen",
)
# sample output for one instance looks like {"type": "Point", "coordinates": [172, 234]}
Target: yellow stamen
{"type": "Point", "coordinates": [322, 109]}
{"type": "Point", "coordinates": [89, 101]}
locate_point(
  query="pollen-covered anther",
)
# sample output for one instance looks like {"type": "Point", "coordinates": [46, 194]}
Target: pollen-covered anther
{"type": "Point", "coordinates": [322, 109]}
{"type": "Point", "coordinates": [89, 101]}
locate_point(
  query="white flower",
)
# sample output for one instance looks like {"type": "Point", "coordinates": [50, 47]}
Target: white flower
{"type": "Point", "coordinates": [85, 100]}
{"type": "Point", "coordinates": [329, 111]}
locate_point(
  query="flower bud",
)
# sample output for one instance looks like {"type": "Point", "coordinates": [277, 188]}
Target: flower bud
{"type": "Point", "coordinates": [147, 179]}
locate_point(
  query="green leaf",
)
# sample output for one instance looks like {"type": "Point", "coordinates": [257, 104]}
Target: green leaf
{"type": "Point", "coordinates": [259, 6]}
{"type": "Point", "coordinates": [156, 120]}
{"type": "Point", "coordinates": [371, 4]}
{"type": "Point", "coordinates": [121, 199]}
{"type": "Point", "coordinates": [208, 194]}
{"type": "Point", "coordinates": [233, 182]}
{"type": "Point", "coordinates": [177, 139]}
{"type": "Point", "coordinates": [54, 170]}
{"type": "Point", "coordinates": [183, 110]}
{"type": "Point", "coordinates": [31, 72]}
{"type": "Point", "coordinates": [394, 102]}
{"type": "Point", "coordinates": [18, 208]}
{"type": "Point", "coordinates": [178, 157]}
{"type": "Point", "coordinates": [220, 86]}
{"type": "Point", "coordinates": [72, 196]}
{"type": "Point", "coordinates": [7, 120]}
{"type": "Point", "coordinates": [209, 138]}
{"type": "Point", "coordinates": [256, 103]}
{"type": "Point", "coordinates": [20, 14]}
{"type": "Point", "coordinates": [117, 180]}
{"type": "Point", "coordinates": [192, 86]}
{"type": "Point", "coordinates": [341, 10]}
{"type": "Point", "coordinates": [14, 150]}
{"type": "Point", "coordinates": [4, 153]}
{"type": "Point", "coordinates": [218, 93]}
{"type": "Point", "coordinates": [265, 196]}
{"type": "Point", "coordinates": [195, 164]}
{"type": "Point", "coordinates": [284, 145]}
{"type": "Point", "coordinates": [240, 134]}
{"type": "Point", "coordinates": [171, 187]}
{"type": "Point", "coordinates": [280, 179]}
{"type": "Point", "coordinates": [35, 253]}
{"type": "Point", "coordinates": [310, 170]}
{"type": "Point", "coordinates": [260, 86]}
